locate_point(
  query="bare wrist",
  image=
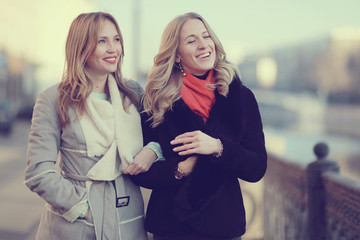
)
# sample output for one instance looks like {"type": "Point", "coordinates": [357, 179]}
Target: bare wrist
{"type": "Point", "coordinates": [220, 147]}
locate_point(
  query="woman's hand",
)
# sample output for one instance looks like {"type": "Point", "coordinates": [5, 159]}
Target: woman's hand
{"type": "Point", "coordinates": [196, 142]}
{"type": "Point", "coordinates": [142, 162]}
{"type": "Point", "coordinates": [87, 214]}
{"type": "Point", "coordinates": [188, 165]}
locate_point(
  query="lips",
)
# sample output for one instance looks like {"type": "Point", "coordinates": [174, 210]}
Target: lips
{"type": "Point", "coordinates": [204, 55]}
{"type": "Point", "coordinates": [111, 59]}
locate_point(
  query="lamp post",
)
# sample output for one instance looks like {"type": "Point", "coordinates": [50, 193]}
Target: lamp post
{"type": "Point", "coordinates": [136, 37]}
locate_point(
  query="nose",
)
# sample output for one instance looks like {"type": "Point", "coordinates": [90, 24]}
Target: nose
{"type": "Point", "coordinates": [111, 47]}
{"type": "Point", "coordinates": [201, 44]}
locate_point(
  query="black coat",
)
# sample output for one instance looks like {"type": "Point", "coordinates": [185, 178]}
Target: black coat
{"type": "Point", "coordinates": [209, 201]}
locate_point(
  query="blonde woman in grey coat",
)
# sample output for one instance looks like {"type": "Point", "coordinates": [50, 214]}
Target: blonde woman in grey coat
{"type": "Point", "coordinates": [90, 124]}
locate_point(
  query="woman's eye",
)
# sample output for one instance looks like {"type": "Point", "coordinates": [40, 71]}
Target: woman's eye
{"type": "Point", "coordinates": [191, 41]}
{"type": "Point", "coordinates": [117, 39]}
{"type": "Point", "coordinates": [101, 41]}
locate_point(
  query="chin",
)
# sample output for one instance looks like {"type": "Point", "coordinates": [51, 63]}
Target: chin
{"type": "Point", "coordinates": [111, 70]}
{"type": "Point", "coordinates": [208, 68]}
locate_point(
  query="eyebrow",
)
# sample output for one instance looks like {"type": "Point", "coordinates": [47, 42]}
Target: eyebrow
{"type": "Point", "coordinates": [193, 35]}
{"type": "Point", "coordinates": [117, 35]}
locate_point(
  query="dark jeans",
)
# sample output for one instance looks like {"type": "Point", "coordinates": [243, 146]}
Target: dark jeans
{"type": "Point", "coordinates": [192, 236]}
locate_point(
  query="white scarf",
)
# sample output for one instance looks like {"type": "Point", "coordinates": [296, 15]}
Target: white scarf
{"type": "Point", "coordinates": [108, 129]}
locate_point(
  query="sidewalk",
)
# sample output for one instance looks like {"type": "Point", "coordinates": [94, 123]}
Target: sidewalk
{"type": "Point", "coordinates": [20, 208]}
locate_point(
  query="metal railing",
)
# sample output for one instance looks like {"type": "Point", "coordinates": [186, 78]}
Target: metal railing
{"type": "Point", "coordinates": [310, 202]}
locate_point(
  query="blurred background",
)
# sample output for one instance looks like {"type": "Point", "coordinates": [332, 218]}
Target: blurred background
{"type": "Point", "coordinates": [301, 59]}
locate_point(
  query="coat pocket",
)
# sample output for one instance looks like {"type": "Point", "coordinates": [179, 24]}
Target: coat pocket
{"type": "Point", "coordinates": [53, 226]}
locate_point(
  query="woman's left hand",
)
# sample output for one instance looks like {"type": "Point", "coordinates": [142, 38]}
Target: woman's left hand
{"type": "Point", "coordinates": [142, 162]}
{"type": "Point", "coordinates": [196, 142]}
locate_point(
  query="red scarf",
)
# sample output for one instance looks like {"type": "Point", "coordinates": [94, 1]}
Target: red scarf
{"type": "Point", "coordinates": [197, 94]}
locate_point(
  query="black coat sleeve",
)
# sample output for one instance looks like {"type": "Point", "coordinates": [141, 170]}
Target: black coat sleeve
{"type": "Point", "coordinates": [244, 153]}
{"type": "Point", "coordinates": [161, 173]}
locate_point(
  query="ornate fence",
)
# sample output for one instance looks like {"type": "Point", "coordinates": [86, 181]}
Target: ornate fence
{"type": "Point", "coordinates": [310, 202]}
{"type": "Point", "coordinates": [342, 207]}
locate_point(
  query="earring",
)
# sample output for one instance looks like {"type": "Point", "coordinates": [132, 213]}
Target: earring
{"type": "Point", "coordinates": [182, 70]}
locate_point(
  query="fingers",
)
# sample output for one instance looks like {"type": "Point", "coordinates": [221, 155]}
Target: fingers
{"type": "Point", "coordinates": [187, 137]}
{"type": "Point", "coordinates": [188, 152]}
{"type": "Point", "coordinates": [182, 140]}
{"type": "Point", "coordinates": [142, 162]}
{"type": "Point", "coordinates": [188, 142]}
{"type": "Point", "coordinates": [129, 169]}
{"type": "Point", "coordinates": [187, 134]}
{"type": "Point", "coordinates": [185, 147]}
{"type": "Point", "coordinates": [195, 142]}
{"type": "Point", "coordinates": [134, 169]}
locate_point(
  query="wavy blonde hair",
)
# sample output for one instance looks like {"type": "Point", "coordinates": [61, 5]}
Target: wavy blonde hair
{"type": "Point", "coordinates": [76, 84]}
{"type": "Point", "coordinates": [164, 81]}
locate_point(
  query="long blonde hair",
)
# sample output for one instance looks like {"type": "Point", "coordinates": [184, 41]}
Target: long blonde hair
{"type": "Point", "coordinates": [76, 84]}
{"type": "Point", "coordinates": [164, 81]}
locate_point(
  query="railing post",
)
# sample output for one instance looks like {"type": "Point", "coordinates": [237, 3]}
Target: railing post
{"type": "Point", "coordinates": [316, 191]}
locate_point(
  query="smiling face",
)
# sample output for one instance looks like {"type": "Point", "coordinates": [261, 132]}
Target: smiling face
{"type": "Point", "coordinates": [105, 58]}
{"type": "Point", "coordinates": [196, 50]}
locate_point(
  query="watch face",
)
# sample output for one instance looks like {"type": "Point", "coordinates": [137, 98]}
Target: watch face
{"type": "Point", "coordinates": [179, 174]}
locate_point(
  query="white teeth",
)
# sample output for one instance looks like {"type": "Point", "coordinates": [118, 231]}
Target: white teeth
{"type": "Point", "coordinates": [204, 55]}
{"type": "Point", "coordinates": [110, 59]}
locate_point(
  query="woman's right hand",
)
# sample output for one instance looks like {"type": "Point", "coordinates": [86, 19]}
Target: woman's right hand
{"type": "Point", "coordinates": [187, 166]}
{"type": "Point", "coordinates": [87, 213]}
{"type": "Point", "coordinates": [142, 162]}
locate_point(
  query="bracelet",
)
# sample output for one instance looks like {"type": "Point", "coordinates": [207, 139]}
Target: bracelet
{"type": "Point", "coordinates": [179, 174]}
{"type": "Point", "coordinates": [221, 150]}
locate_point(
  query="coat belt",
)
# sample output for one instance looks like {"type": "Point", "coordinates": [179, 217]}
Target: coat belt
{"type": "Point", "coordinates": [75, 176]}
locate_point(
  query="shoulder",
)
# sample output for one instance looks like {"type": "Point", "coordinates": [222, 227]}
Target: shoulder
{"type": "Point", "coordinates": [134, 87]}
{"type": "Point", "coordinates": [45, 109]}
{"type": "Point", "coordinates": [239, 91]}
{"type": "Point", "coordinates": [50, 93]}
{"type": "Point", "coordinates": [247, 92]}
{"type": "Point", "coordinates": [236, 86]}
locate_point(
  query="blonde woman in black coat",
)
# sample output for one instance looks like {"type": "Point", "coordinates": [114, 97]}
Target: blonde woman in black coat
{"type": "Point", "coordinates": [209, 127]}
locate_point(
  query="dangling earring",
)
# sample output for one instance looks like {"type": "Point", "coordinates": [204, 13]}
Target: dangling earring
{"type": "Point", "coordinates": [182, 70]}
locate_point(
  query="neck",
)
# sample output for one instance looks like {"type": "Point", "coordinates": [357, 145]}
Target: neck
{"type": "Point", "coordinates": [203, 76]}
{"type": "Point", "coordinates": [98, 89]}
{"type": "Point", "coordinates": [99, 84]}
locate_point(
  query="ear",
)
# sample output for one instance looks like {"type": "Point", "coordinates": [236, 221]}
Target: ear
{"type": "Point", "coordinates": [177, 59]}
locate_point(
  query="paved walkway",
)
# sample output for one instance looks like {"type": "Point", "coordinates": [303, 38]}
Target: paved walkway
{"type": "Point", "coordinates": [20, 209]}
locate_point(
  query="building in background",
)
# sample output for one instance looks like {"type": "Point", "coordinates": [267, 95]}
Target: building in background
{"type": "Point", "coordinates": [32, 43]}
{"type": "Point", "coordinates": [17, 89]}
{"type": "Point", "coordinates": [302, 87]}
{"type": "Point", "coordinates": [328, 66]}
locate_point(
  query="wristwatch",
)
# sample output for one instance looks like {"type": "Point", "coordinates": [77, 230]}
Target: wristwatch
{"type": "Point", "coordinates": [179, 174]}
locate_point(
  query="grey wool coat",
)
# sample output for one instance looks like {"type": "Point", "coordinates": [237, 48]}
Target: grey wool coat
{"type": "Point", "coordinates": [66, 190]}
